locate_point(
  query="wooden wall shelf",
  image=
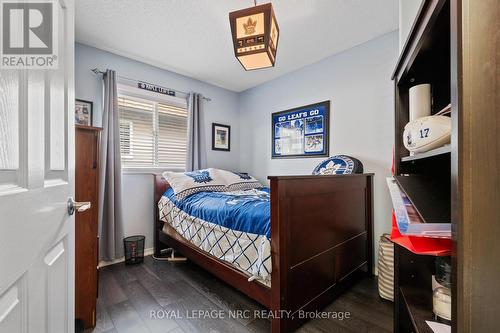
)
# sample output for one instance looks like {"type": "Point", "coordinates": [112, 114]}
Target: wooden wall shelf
{"type": "Point", "coordinates": [412, 283]}
{"type": "Point", "coordinates": [419, 306]}
{"type": "Point", "coordinates": [421, 38]}
{"type": "Point", "coordinates": [429, 195]}
{"type": "Point", "coordinates": [431, 153]}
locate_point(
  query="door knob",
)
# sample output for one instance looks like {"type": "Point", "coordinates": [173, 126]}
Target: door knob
{"type": "Point", "coordinates": [78, 206]}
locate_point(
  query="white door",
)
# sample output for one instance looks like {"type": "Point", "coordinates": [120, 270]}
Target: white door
{"type": "Point", "coordinates": [36, 180]}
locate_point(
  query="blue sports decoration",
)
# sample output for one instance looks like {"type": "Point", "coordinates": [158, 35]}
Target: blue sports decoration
{"type": "Point", "coordinates": [200, 176]}
{"type": "Point", "coordinates": [243, 175]}
{"type": "Point", "coordinates": [339, 165]}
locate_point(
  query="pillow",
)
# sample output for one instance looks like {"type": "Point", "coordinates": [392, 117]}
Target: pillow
{"type": "Point", "coordinates": [215, 180]}
{"type": "Point", "coordinates": [238, 181]}
{"type": "Point", "coordinates": [339, 165]}
{"type": "Point", "coordinates": [186, 183]}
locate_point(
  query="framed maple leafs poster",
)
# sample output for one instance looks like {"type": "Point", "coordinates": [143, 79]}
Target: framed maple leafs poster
{"type": "Point", "coordinates": [301, 132]}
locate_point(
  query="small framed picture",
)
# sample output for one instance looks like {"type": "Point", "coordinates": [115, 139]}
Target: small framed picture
{"type": "Point", "coordinates": [83, 112]}
{"type": "Point", "coordinates": [221, 137]}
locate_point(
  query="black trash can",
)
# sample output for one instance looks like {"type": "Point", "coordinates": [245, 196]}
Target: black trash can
{"type": "Point", "coordinates": [134, 249]}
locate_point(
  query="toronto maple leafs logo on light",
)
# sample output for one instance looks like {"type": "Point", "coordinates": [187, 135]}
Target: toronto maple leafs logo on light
{"type": "Point", "coordinates": [200, 176]}
{"type": "Point", "coordinates": [250, 26]}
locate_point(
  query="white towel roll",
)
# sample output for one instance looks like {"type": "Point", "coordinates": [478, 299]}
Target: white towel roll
{"type": "Point", "coordinates": [420, 101]}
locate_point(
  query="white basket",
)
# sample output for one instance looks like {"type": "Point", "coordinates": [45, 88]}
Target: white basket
{"type": "Point", "coordinates": [386, 268]}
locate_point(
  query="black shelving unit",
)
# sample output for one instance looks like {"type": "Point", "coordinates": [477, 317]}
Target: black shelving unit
{"type": "Point", "coordinates": [419, 305]}
{"type": "Point", "coordinates": [413, 294]}
{"type": "Point", "coordinates": [425, 178]}
{"type": "Point", "coordinates": [429, 195]}
{"type": "Point", "coordinates": [452, 45]}
{"type": "Point", "coordinates": [431, 153]}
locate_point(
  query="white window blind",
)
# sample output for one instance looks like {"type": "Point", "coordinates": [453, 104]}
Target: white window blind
{"type": "Point", "coordinates": [152, 134]}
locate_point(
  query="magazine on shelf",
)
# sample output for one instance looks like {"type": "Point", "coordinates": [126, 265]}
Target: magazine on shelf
{"type": "Point", "coordinates": [407, 218]}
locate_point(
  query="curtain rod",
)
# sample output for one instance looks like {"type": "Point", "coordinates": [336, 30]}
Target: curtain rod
{"type": "Point", "coordinates": [97, 71]}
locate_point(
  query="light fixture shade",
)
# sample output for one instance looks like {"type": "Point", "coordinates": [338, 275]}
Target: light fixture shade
{"type": "Point", "coordinates": [255, 36]}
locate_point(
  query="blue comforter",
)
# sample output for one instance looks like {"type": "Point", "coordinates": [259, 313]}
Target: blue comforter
{"type": "Point", "coordinates": [245, 211]}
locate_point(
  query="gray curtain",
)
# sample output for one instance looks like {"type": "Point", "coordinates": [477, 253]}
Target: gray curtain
{"type": "Point", "coordinates": [110, 187]}
{"type": "Point", "coordinates": [196, 151]}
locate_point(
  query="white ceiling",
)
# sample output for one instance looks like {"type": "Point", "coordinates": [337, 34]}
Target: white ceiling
{"type": "Point", "coordinates": [192, 37]}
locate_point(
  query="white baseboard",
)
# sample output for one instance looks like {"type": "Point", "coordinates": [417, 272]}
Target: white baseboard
{"type": "Point", "coordinates": [103, 263]}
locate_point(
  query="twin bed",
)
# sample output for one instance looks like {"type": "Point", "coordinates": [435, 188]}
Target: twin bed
{"type": "Point", "coordinates": [293, 247]}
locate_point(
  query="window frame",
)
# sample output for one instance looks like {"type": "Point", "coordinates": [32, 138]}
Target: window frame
{"type": "Point", "coordinates": [124, 88]}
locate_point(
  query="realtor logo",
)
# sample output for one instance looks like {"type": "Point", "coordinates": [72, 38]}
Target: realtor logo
{"type": "Point", "coordinates": [28, 34]}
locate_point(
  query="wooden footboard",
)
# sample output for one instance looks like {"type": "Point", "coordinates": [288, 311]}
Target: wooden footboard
{"type": "Point", "coordinates": [321, 236]}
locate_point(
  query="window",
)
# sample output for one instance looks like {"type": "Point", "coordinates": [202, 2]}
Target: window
{"type": "Point", "coordinates": [153, 134]}
{"type": "Point", "coordinates": [126, 133]}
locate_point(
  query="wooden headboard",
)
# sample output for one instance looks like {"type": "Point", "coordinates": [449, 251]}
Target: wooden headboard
{"type": "Point", "coordinates": [160, 186]}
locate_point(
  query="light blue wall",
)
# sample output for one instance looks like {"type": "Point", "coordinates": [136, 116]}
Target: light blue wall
{"type": "Point", "coordinates": [358, 84]}
{"type": "Point", "coordinates": [138, 188]}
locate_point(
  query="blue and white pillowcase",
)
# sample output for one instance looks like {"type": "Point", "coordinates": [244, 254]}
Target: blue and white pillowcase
{"type": "Point", "coordinates": [238, 181]}
{"type": "Point", "coordinates": [186, 183]}
{"type": "Point", "coordinates": [215, 180]}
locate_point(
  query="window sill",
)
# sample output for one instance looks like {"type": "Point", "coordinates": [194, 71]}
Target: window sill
{"type": "Point", "coordinates": [148, 171]}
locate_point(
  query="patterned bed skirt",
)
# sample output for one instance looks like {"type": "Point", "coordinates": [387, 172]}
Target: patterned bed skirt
{"type": "Point", "coordinates": [250, 253]}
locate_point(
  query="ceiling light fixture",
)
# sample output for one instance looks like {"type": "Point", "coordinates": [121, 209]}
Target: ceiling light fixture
{"type": "Point", "coordinates": [255, 36]}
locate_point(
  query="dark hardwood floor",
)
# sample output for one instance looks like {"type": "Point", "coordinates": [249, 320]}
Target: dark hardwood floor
{"type": "Point", "coordinates": [162, 297]}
